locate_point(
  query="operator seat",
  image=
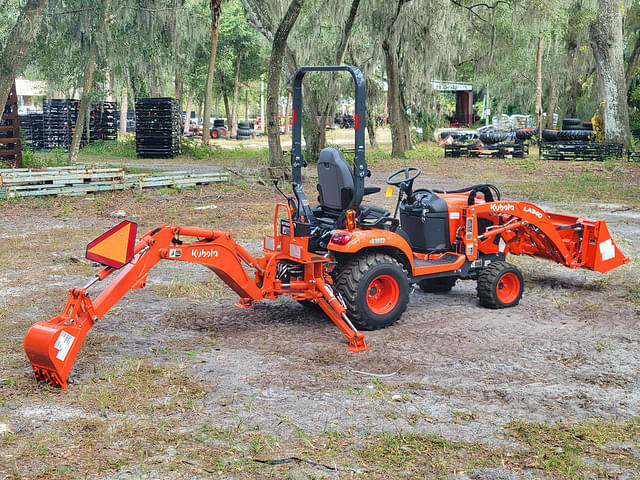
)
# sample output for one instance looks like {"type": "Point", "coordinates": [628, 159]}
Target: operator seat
{"type": "Point", "coordinates": [336, 190]}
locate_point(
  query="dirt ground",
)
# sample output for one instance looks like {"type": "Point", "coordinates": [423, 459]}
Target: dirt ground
{"type": "Point", "coordinates": [176, 382]}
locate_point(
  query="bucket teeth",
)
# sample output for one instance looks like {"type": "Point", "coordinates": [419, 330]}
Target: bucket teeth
{"type": "Point", "coordinates": [44, 375]}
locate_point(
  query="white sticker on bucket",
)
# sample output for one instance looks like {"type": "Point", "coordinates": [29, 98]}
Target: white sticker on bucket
{"type": "Point", "coordinates": [63, 344]}
{"type": "Point", "coordinates": [607, 250]}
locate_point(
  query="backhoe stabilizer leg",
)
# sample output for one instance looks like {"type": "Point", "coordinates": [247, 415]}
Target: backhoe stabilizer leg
{"type": "Point", "coordinates": [334, 309]}
{"type": "Point", "coordinates": [52, 346]}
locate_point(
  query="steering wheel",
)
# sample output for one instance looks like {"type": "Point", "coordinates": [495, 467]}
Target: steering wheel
{"type": "Point", "coordinates": [410, 174]}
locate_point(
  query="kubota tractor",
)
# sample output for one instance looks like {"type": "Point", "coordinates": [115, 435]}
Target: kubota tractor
{"type": "Point", "coordinates": [354, 261]}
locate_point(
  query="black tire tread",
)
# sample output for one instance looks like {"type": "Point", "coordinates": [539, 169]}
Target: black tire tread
{"type": "Point", "coordinates": [550, 135]}
{"type": "Point", "coordinates": [486, 279]}
{"type": "Point", "coordinates": [349, 278]}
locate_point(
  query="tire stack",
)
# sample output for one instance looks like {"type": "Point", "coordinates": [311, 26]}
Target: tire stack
{"type": "Point", "coordinates": [103, 121]}
{"type": "Point", "coordinates": [218, 130]}
{"type": "Point", "coordinates": [158, 127]}
{"type": "Point", "coordinates": [59, 121]}
{"type": "Point", "coordinates": [36, 122]}
{"type": "Point", "coordinates": [245, 131]}
{"type": "Point", "coordinates": [576, 141]}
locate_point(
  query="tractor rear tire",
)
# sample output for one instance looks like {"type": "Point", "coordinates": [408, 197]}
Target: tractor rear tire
{"type": "Point", "coordinates": [375, 288]}
{"type": "Point", "coordinates": [500, 285]}
{"type": "Point", "coordinates": [438, 285]}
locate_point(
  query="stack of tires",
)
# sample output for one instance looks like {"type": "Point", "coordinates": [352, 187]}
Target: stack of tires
{"type": "Point", "coordinates": [490, 138]}
{"type": "Point", "coordinates": [573, 130]}
{"type": "Point", "coordinates": [218, 130]}
{"type": "Point", "coordinates": [245, 131]}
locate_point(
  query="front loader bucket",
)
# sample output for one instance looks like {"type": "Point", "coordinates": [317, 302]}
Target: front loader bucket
{"type": "Point", "coordinates": [588, 243]}
{"type": "Point", "coordinates": [52, 346]}
{"type": "Point", "coordinates": [602, 254]}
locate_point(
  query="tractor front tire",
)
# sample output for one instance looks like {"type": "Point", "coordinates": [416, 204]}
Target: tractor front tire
{"type": "Point", "coordinates": [500, 285]}
{"type": "Point", "coordinates": [375, 288]}
{"type": "Point", "coordinates": [438, 285]}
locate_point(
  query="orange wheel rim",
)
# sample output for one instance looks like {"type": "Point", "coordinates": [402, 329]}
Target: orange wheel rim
{"type": "Point", "coordinates": [382, 294]}
{"type": "Point", "coordinates": [508, 287]}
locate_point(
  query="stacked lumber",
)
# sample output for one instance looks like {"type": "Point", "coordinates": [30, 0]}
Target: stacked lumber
{"type": "Point", "coordinates": [78, 181]}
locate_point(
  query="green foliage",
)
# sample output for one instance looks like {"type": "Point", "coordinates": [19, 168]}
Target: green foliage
{"type": "Point", "coordinates": [193, 148]}
{"type": "Point", "coordinates": [122, 148]}
{"type": "Point", "coordinates": [55, 158]}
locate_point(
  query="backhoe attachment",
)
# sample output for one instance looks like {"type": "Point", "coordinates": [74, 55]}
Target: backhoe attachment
{"type": "Point", "coordinates": [286, 268]}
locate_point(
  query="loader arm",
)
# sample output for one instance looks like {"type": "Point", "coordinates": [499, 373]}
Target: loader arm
{"type": "Point", "coordinates": [53, 345]}
{"type": "Point", "coordinates": [528, 230]}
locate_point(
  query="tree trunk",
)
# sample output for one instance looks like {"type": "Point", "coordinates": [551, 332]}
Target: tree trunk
{"type": "Point", "coordinates": [187, 123]}
{"type": "Point", "coordinates": [124, 109]}
{"type": "Point", "coordinates": [553, 86]}
{"type": "Point", "coordinates": [88, 82]}
{"type": "Point", "coordinates": [316, 139]}
{"type": "Point", "coordinates": [276, 160]}
{"type": "Point", "coordinates": [215, 16]}
{"type": "Point", "coordinates": [225, 97]}
{"type": "Point", "coordinates": [18, 41]}
{"type": "Point", "coordinates": [314, 135]}
{"type": "Point", "coordinates": [233, 124]}
{"type": "Point", "coordinates": [371, 129]}
{"type": "Point", "coordinates": [539, 86]}
{"type": "Point", "coordinates": [606, 41]}
{"type": "Point", "coordinates": [246, 104]}
{"type": "Point", "coordinates": [287, 113]}
{"type": "Point", "coordinates": [177, 85]}
{"type": "Point", "coordinates": [400, 135]}
{"type": "Point", "coordinates": [634, 62]}
{"type": "Point", "coordinates": [400, 139]}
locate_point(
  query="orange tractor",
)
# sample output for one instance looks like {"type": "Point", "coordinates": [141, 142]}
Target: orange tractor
{"type": "Point", "coordinates": [354, 261]}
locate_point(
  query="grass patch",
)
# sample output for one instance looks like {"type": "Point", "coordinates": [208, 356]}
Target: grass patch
{"type": "Point", "coordinates": [55, 158]}
{"type": "Point", "coordinates": [137, 386]}
{"type": "Point", "coordinates": [124, 147]}
{"type": "Point", "coordinates": [563, 449]}
{"type": "Point", "coordinates": [212, 288]}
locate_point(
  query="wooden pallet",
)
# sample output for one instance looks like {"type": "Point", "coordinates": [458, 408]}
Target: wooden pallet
{"type": "Point", "coordinates": [76, 181]}
{"type": "Point", "coordinates": [10, 145]}
{"type": "Point", "coordinates": [499, 150]}
{"type": "Point", "coordinates": [580, 150]}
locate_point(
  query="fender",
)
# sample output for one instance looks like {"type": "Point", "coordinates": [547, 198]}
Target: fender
{"type": "Point", "coordinates": [361, 239]}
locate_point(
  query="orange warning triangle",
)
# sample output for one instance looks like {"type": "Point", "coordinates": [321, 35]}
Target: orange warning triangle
{"type": "Point", "coordinates": [114, 248]}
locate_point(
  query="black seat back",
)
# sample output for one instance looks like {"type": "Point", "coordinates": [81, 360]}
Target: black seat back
{"type": "Point", "coordinates": [335, 180]}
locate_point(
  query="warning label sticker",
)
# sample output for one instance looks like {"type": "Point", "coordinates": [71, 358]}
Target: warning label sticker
{"type": "Point", "coordinates": [63, 344]}
{"type": "Point", "coordinates": [607, 250]}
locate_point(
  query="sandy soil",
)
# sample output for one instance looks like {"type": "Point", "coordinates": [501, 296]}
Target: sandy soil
{"type": "Point", "coordinates": [568, 352]}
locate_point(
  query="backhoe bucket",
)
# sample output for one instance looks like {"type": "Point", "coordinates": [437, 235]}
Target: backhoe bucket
{"type": "Point", "coordinates": [52, 346]}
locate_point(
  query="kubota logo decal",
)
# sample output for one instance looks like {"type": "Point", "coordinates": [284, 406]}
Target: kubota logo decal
{"type": "Point", "coordinates": [204, 253]}
{"type": "Point", "coordinates": [502, 207]}
{"type": "Point", "coordinates": [377, 241]}
{"type": "Point", "coordinates": [533, 211]}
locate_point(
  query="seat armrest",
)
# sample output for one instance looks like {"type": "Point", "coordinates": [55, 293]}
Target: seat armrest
{"type": "Point", "coordinates": [370, 190]}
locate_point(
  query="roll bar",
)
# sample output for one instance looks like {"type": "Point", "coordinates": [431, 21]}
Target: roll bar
{"type": "Point", "coordinates": [360, 170]}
